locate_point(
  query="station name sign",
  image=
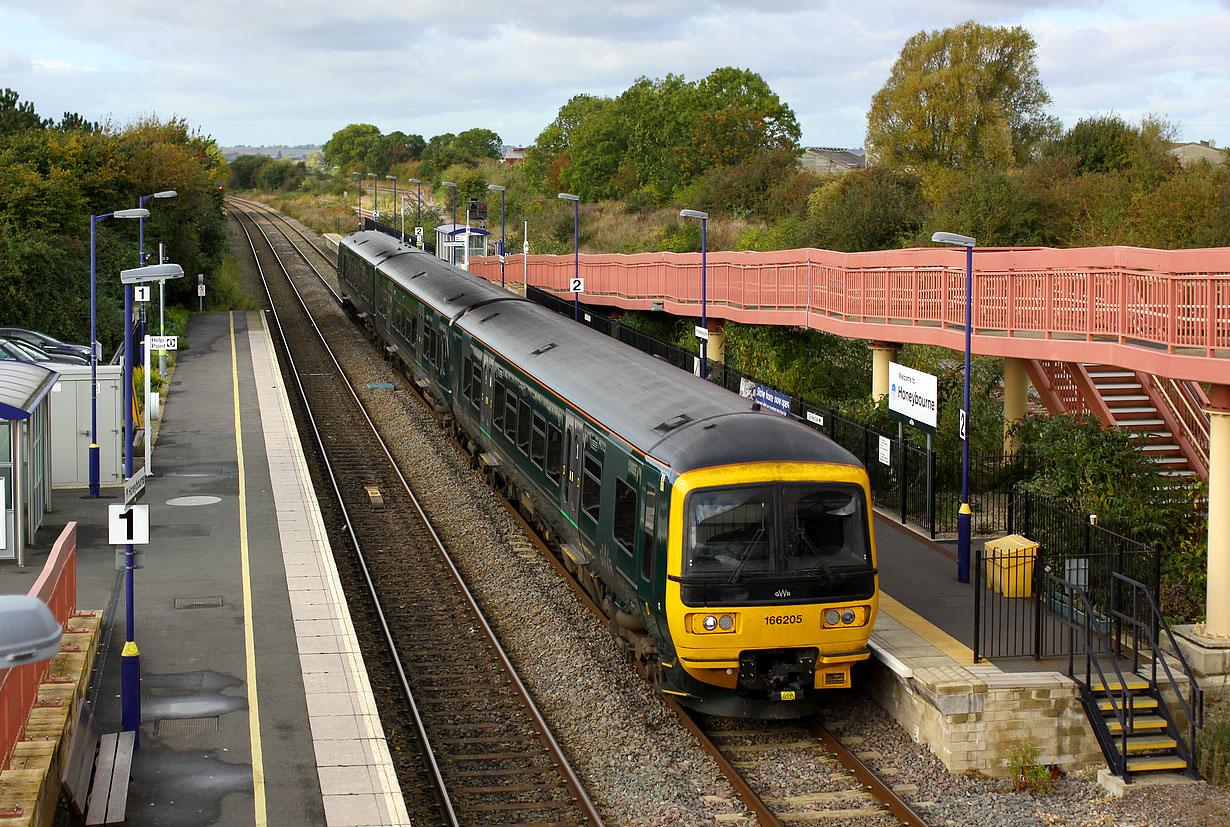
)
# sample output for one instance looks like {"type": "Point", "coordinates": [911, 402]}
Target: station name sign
{"type": "Point", "coordinates": [913, 397]}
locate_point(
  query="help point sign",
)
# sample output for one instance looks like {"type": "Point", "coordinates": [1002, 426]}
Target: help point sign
{"type": "Point", "coordinates": [913, 397]}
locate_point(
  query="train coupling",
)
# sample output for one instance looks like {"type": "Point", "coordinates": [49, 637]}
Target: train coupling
{"type": "Point", "coordinates": [778, 672]}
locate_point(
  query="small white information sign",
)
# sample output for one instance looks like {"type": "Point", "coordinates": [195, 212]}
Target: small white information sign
{"type": "Point", "coordinates": [702, 333]}
{"type": "Point", "coordinates": [140, 293]}
{"type": "Point", "coordinates": [576, 285]}
{"type": "Point", "coordinates": [418, 233]}
{"type": "Point", "coordinates": [815, 418]}
{"type": "Point", "coordinates": [164, 343]}
{"type": "Point", "coordinates": [128, 525]}
{"type": "Point", "coordinates": [963, 423]}
{"type": "Point", "coordinates": [885, 450]}
{"type": "Point", "coordinates": [200, 290]}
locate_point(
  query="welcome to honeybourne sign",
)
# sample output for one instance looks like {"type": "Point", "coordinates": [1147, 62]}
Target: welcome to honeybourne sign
{"type": "Point", "coordinates": [913, 397]}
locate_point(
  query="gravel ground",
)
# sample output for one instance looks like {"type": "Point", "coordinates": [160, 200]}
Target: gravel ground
{"type": "Point", "coordinates": [641, 767]}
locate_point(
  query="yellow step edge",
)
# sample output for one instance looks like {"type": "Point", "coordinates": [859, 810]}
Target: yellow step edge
{"type": "Point", "coordinates": [1157, 762]}
{"type": "Point", "coordinates": [1151, 742]}
{"type": "Point", "coordinates": [1133, 686]}
{"type": "Point", "coordinates": [1136, 703]}
{"type": "Point", "coordinates": [1142, 722]}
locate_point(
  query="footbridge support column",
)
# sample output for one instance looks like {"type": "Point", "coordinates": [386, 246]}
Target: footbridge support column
{"type": "Point", "coordinates": [1218, 606]}
{"type": "Point", "coordinates": [715, 349]}
{"type": "Point", "coordinates": [881, 354]}
{"type": "Point", "coordinates": [1016, 396]}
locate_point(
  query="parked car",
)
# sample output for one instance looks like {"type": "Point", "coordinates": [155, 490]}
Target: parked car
{"type": "Point", "coordinates": [26, 352]}
{"type": "Point", "coordinates": [50, 344]}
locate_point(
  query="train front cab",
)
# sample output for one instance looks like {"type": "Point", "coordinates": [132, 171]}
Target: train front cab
{"type": "Point", "coordinates": [771, 588]}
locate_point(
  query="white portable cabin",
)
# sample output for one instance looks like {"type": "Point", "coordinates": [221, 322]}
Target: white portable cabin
{"type": "Point", "coordinates": [25, 454]}
{"type": "Point", "coordinates": [451, 241]}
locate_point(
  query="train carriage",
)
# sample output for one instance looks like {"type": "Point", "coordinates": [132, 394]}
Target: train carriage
{"type": "Point", "coordinates": [732, 547]}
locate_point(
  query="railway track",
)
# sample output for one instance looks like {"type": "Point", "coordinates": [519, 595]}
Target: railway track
{"type": "Point", "coordinates": [783, 773]}
{"type": "Point", "coordinates": [481, 753]}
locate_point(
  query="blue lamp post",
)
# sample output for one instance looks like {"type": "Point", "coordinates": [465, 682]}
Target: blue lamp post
{"type": "Point", "coordinates": [393, 178]}
{"type": "Point", "coordinates": [130, 658]}
{"type": "Point", "coordinates": [359, 177]}
{"type": "Point", "coordinates": [375, 195]}
{"type": "Point", "coordinates": [418, 199]}
{"type": "Point", "coordinates": [704, 322]}
{"type": "Point", "coordinates": [162, 356]}
{"type": "Point", "coordinates": [576, 250]}
{"type": "Point", "coordinates": [452, 254]}
{"type": "Point", "coordinates": [966, 513]}
{"type": "Point", "coordinates": [501, 191]}
{"type": "Point", "coordinates": [94, 346]}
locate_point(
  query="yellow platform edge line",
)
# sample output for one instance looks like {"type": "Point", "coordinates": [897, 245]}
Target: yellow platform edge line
{"type": "Point", "coordinates": [927, 630]}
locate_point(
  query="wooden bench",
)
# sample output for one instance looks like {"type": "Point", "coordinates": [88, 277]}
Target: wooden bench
{"type": "Point", "coordinates": [107, 760]}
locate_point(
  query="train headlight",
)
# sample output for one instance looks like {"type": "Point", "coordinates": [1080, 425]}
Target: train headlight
{"type": "Point", "coordinates": [710, 623]}
{"type": "Point", "coordinates": [832, 617]}
{"type": "Point", "coordinates": [726, 623]}
{"type": "Point", "coordinates": [847, 617]}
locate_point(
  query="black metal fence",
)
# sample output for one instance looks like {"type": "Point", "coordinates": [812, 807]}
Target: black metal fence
{"type": "Point", "coordinates": [1018, 610]}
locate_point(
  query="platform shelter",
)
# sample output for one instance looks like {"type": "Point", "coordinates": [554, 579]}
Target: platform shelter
{"type": "Point", "coordinates": [25, 454]}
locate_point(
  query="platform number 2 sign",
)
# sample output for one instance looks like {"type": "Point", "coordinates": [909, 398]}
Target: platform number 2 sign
{"type": "Point", "coordinates": [128, 525]}
{"type": "Point", "coordinates": [576, 285]}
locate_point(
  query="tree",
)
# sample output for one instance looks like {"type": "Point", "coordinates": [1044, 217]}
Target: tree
{"type": "Point", "coordinates": [962, 97]}
{"type": "Point", "coordinates": [479, 143]}
{"type": "Point", "coordinates": [352, 146]}
{"type": "Point", "coordinates": [867, 209]}
{"type": "Point", "coordinates": [18, 117]}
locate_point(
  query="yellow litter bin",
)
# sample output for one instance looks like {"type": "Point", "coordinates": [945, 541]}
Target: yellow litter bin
{"type": "Point", "coordinates": [1010, 565]}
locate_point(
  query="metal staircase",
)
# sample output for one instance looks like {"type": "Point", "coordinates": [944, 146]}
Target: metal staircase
{"type": "Point", "coordinates": [1167, 415]}
{"type": "Point", "coordinates": [1123, 679]}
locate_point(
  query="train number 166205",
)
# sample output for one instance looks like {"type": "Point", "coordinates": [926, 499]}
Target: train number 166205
{"type": "Point", "coordinates": [782, 620]}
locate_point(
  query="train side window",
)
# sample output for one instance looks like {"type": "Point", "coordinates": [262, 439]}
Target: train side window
{"type": "Point", "coordinates": [497, 407]}
{"type": "Point", "coordinates": [591, 487]}
{"type": "Point", "coordinates": [538, 440]}
{"type": "Point", "coordinates": [510, 419]}
{"type": "Point", "coordinates": [555, 459]}
{"type": "Point", "coordinates": [524, 426]}
{"type": "Point", "coordinates": [467, 373]}
{"type": "Point", "coordinates": [476, 384]}
{"type": "Point", "coordinates": [623, 519]}
{"type": "Point", "coordinates": [649, 537]}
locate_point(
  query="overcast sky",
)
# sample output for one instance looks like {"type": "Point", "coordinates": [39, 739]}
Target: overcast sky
{"type": "Point", "coordinates": [258, 72]}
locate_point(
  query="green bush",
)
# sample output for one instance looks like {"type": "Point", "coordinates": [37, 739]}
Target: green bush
{"type": "Point", "coordinates": [1025, 771]}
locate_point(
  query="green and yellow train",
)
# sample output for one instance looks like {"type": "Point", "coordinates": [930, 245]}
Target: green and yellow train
{"type": "Point", "coordinates": [733, 548]}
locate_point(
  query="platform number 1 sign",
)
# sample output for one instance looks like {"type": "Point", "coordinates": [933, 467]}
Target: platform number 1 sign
{"type": "Point", "coordinates": [128, 525]}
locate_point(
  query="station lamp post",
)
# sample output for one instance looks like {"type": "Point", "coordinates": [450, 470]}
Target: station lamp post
{"type": "Point", "coordinates": [94, 345]}
{"type": "Point", "coordinates": [397, 206]}
{"type": "Point", "coordinates": [500, 189]}
{"type": "Point", "coordinates": [375, 195]}
{"type": "Point", "coordinates": [965, 515]}
{"type": "Point", "coordinates": [576, 250]}
{"type": "Point", "coordinates": [162, 356]}
{"type": "Point", "coordinates": [359, 177]}
{"type": "Point", "coordinates": [704, 322]}
{"type": "Point", "coordinates": [130, 659]}
{"type": "Point", "coordinates": [418, 200]}
{"type": "Point", "coordinates": [452, 253]}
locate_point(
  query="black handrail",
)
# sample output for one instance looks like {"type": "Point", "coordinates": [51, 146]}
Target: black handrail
{"type": "Point", "coordinates": [1193, 705]}
{"type": "Point", "coordinates": [1122, 708]}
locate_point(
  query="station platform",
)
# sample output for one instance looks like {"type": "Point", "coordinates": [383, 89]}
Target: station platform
{"type": "Point", "coordinates": [238, 593]}
{"type": "Point", "coordinates": [256, 706]}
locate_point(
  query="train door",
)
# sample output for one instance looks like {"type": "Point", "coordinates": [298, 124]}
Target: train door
{"type": "Point", "coordinates": [574, 458]}
{"type": "Point", "coordinates": [488, 391]}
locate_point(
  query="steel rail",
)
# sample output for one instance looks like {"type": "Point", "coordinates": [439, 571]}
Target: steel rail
{"type": "Point", "coordinates": [570, 777]}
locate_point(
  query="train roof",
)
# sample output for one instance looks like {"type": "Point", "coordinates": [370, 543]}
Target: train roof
{"type": "Point", "coordinates": [450, 290]}
{"type": "Point", "coordinates": [678, 419]}
{"type": "Point", "coordinates": [662, 411]}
